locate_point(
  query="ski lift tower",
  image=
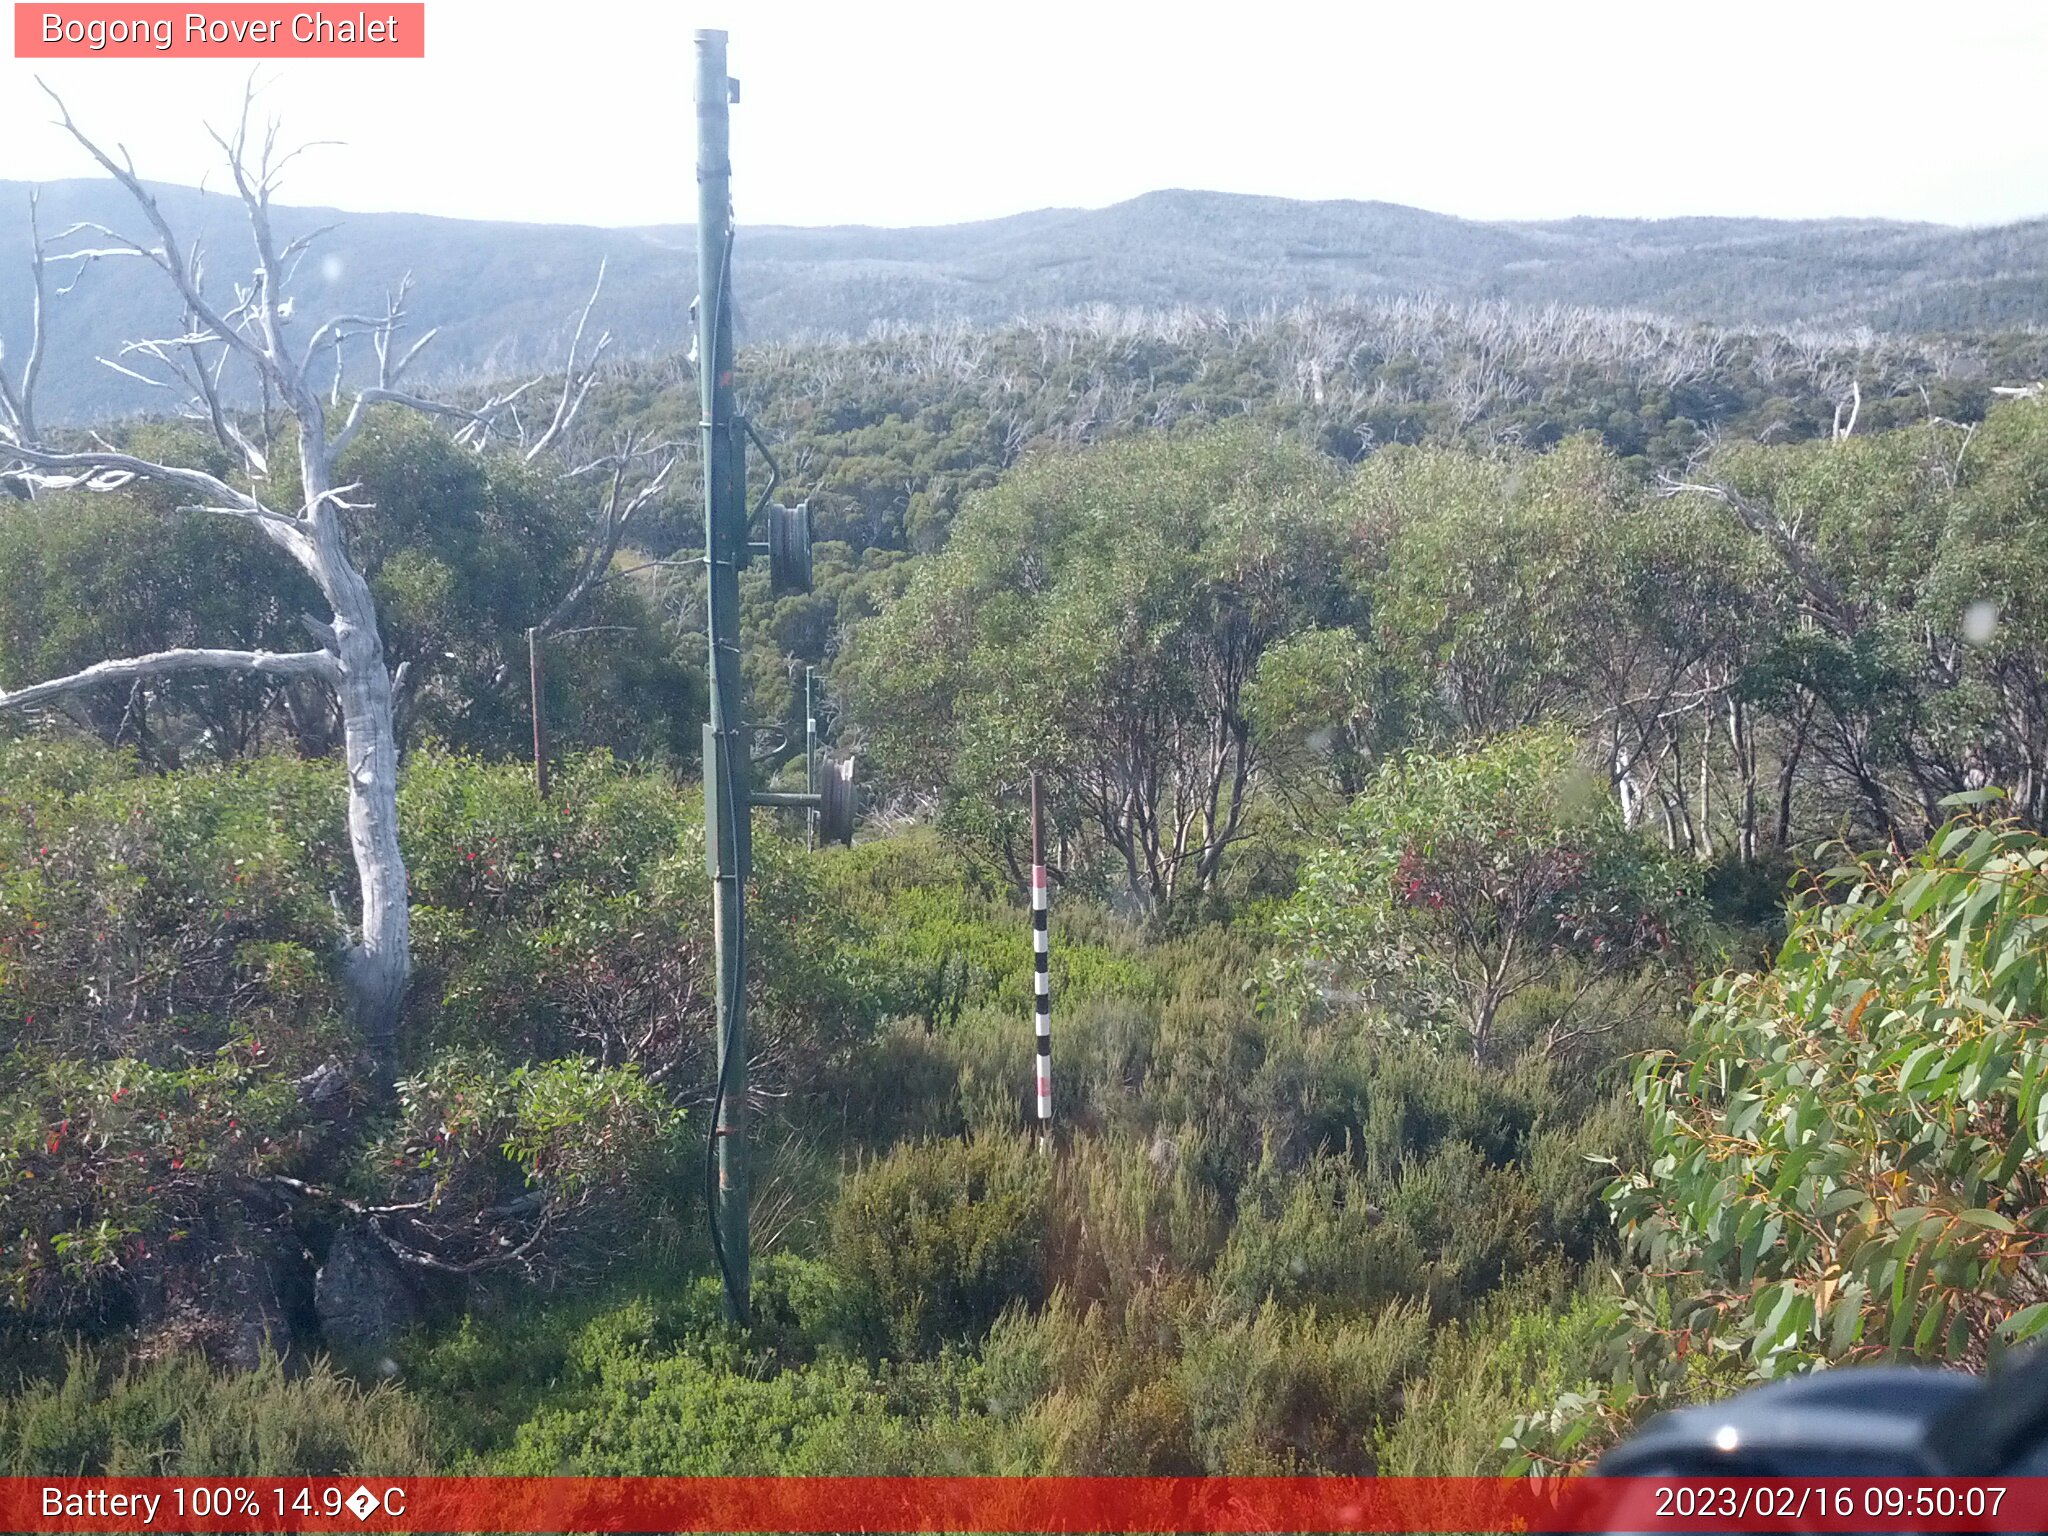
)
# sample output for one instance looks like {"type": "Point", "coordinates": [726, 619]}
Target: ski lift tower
{"type": "Point", "coordinates": [729, 548]}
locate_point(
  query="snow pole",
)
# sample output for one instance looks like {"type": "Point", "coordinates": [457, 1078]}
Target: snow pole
{"type": "Point", "coordinates": [1041, 970]}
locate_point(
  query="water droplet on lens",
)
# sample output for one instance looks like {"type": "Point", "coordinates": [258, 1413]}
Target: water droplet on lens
{"type": "Point", "coordinates": [1980, 623]}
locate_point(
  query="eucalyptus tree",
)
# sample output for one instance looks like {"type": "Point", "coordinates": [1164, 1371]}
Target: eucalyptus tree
{"type": "Point", "coordinates": [1843, 1153]}
{"type": "Point", "coordinates": [84, 577]}
{"type": "Point", "coordinates": [1098, 616]}
{"type": "Point", "coordinates": [1513, 589]}
{"type": "Point", "coordinates": [1458, 883]}
{"type": "Point", "coordinates": [368, 511]}
{"type": "Point", "coordinates": [1326, 706]}
{"type": "Point", "coordinates": [1911, 657]}
{"type": "Point", "coordinates": [1479, 567]}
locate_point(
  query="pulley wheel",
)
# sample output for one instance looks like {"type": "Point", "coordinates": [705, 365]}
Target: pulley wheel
{"type": "Point", "coordinates": [789, 548]}
{"type": "Point", "coordinates": [835, 810]}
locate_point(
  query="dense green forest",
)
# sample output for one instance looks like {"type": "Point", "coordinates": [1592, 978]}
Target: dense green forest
{"type": "Point", "coordinates": [1547, 825]}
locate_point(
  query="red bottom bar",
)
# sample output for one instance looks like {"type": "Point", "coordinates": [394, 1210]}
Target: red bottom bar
{"type": "Point", "coordinates": [1056, 1506]}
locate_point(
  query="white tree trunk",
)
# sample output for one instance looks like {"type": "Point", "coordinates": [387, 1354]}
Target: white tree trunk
{"type": "Point", "coordinates": [378, 945]}
{"type": "Point", "coordinates": [253, 332]}
{"type": "Point", "coordinates": [380, 957]}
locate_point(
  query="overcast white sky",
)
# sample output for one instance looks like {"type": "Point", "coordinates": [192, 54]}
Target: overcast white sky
{"type": "Point", "coordinates": [895, 112]}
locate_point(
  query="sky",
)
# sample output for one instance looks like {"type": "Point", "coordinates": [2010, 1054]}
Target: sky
{"type": "Point", "coordinates": [890, 112]}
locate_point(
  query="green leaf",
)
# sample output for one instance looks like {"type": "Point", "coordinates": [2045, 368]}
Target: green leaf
{"type": "Point", "coordinates": [1967, 797]}
{"type": "Point", "coordinates": [1915, 1059]}
{"type": "Point", "coordinates": [1930, 1325]}
{"type": "Point", "coordinates": [1990, 1219]}
{"type": "Point", "coordinates": [1842, 1200]}
{"type": "Point", "coordinates": [1847, 1316]}
{"type": "Point", "coordinates": [2025, 1323]}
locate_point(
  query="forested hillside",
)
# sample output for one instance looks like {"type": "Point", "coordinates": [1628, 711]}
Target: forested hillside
{"type": "Point", "coordinates": [1546, 814]}
{"type": "Point", "coordinates": [504, 295]}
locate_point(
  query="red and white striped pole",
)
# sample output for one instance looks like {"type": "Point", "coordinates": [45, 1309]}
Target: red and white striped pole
{"type": "Point", "coordinates": [1041, 972]}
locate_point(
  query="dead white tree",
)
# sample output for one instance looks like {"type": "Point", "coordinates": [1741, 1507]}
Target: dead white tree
{"type": "Point", "coordinates": [17, 398]}
{"type": "Point", "coordinates": [252, 332]}
{"type": "Point", "coordinates": [1846, 412]}
{"type": "Point", "coordinates": [629, 477]}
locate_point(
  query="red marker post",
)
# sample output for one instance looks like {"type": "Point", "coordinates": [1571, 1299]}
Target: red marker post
{"type": "Point", "coordinates": [1041, 970]}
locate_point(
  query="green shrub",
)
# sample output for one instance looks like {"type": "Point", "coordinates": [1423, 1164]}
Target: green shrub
{"type": "Point", "coordinates": [1317, 1237]}
{"type": "Point", "coordinates": [683, 1415]}
{"type": "Point", "coordinates": [166, 973]}
{"type": "Point", "coordinates": [160, 917]}
{"type": "Point", "coordinates": [908, 1082]}
{"type": "Point", "coordinates": [1846, 1157]}
{"type": "Point", "coordinates": [1283, 1392]}
{"type": "Point", "coordinates": [550, 1167]}
{"type": "Point", "coordinates": [943, 1235]}
{"type": "Point", "coordinates": [1127, 1213]}
{"type": "Point", "coordinates": [178, 1417]}
{"type": "Point", "coordinates": [1094, 1387]}
{"type": "Point", "coordinates": [937, 937]}
{"type": "Point", "coordinates": [1459, 882]}
{"type": "Point", "coordinates": [1537, 1339]}
{"type": "Point", "coordinates": [109, 1170]}
{"type": "Point", "coordinates": [1160, 1386]}
{"type": "Point", "coordinates": [1474, 1221]}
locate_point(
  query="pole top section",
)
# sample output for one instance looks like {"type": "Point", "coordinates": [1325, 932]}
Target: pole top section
{"type": "Point", "coordinates": [711, 68]}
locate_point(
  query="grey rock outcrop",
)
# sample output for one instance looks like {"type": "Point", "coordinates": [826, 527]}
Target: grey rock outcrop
{"type": "Point", "coordinates": [361, 1298]}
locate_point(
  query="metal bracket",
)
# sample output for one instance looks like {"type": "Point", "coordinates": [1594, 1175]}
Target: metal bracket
{"type": "Point", "coordinates": [774, 469]}
{"type": "Point", "coordinates": [833, 801]}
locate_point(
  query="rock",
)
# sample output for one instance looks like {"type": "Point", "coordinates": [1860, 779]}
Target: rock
{"type": "Point", "coordinates": [243, 1295]}
{"type": "Point", "coordinates": [360, 1297]}
{"type": "Point", "coordinates": [325, 1090]}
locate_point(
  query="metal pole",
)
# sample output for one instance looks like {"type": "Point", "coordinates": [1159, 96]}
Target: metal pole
{"type": "Point", "coordinates": [540, 718]}
{"type": "Point", "coordinates": [727, 760]}
{"type": "Point", "coordinates": [1041, 970]}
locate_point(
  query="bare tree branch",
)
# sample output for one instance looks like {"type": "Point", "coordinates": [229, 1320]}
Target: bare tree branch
{"type": "Point", "coordinates": [1843, 429]}
{"type": "Point", "coordinates": [575, 384]}
{"type": "Point", "coordinates": [267, 302]}
{"type": "Point", "coordinates": [377, 942]}
{"type": "Point", "coordinates": [376, 396]}
{"type": "Point", "coordinates": [18, 403]}
{"type": "Point", "coordinates": [104, 469]}
{"type": "Point", "coordinates": [206, 384]}
{"type": "Point", "coordinates": [319, 664]}
{"type": "Point", "coordinates": [352, 662]}
{"type": "Point", "coordinates": [1820, 590]}
{"type": "Point", "coordinates": [166, 255]}
{"type": "Point", "coordinates": [615, 511]}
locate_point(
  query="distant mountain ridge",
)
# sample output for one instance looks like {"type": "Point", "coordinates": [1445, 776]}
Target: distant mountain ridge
{"type": "Point", "coordinates": [504, 294]}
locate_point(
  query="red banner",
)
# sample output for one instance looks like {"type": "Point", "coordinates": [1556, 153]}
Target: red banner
{"type": "Point", "coordinates": [1058, 1506]}
{"type": "Point", "coordinates": [237, 31]}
